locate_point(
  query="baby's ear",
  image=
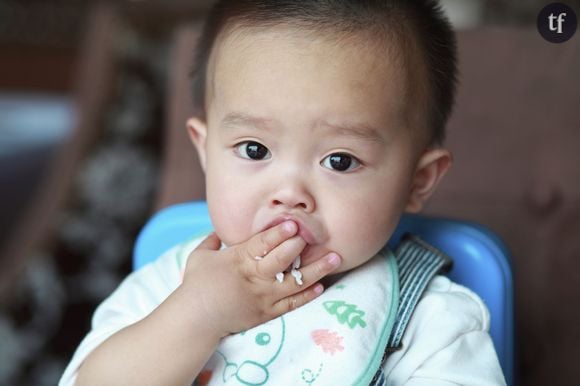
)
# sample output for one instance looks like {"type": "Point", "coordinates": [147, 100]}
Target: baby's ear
{"type": "Point", "coordinates": [197, 130]}
{"type": "Point", "coordinates": [432, 166]}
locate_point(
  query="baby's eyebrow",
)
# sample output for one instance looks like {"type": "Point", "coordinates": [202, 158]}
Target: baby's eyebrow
{"type": "Point", "coordinates": [358, 131]}
{"type": "Point", "coordinates": [233, 119]}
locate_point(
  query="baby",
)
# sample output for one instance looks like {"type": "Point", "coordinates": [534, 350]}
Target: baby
{"type": "Point", "coordinates": [319, 123]}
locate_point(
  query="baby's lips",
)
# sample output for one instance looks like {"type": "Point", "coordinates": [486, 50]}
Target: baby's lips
{"type": "Point", "coordinates": [303, 230]}
{"type": "Point", "coordinates": [306, 234]}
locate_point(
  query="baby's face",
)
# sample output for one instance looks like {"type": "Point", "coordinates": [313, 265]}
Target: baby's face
{"type": "Point", "coordinates": [310, 130]}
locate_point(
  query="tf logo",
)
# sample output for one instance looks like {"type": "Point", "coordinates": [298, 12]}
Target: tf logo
{"type": "Point", "coordinates": [557, 22]}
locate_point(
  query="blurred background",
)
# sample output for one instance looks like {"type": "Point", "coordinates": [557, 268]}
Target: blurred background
{"type": "Point", "coordinates": [93, 100]}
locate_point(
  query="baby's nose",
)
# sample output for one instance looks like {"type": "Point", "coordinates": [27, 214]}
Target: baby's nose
{"type": "Point", "coordinates": [293, 197]}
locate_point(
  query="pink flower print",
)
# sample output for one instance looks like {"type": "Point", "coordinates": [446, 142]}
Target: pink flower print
{"type": "Point", "coordinates": [329, 341]}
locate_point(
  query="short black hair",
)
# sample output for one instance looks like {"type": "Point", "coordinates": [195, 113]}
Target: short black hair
{"type": "Point", "coordinates": [421, 22]}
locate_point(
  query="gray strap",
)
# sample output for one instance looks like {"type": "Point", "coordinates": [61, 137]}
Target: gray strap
{"type": "Point", "coordinates": [418, 263]}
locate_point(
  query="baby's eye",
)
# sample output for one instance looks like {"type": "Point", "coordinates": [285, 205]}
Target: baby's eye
{"type": "Point", "coordinates": [252, 150]}
{"type": "Point", "coordinates": [341, 162]}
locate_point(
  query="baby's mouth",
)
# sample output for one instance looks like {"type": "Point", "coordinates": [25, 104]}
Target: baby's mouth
{"type": "Point", "coordinates": [304, 230]}
{"type": "Point", "coordinates": [311, 238]}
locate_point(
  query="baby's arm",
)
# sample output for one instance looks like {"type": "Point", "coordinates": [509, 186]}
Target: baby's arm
{"type": "Point", "coordinates": [169, 347]}
{"type": "Point", "coordinates": [223, 291]}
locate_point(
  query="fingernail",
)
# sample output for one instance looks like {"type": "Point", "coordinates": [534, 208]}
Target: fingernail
{"type": "Point", "coordinates": [318, 288]}
{"type": "Point", "coordinates": [333, 259]}
{"type": "Point", "coordinates": [289, 226]}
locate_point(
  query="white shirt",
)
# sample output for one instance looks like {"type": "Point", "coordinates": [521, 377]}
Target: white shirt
{"type": "Point", "coordinates": [446, 342]}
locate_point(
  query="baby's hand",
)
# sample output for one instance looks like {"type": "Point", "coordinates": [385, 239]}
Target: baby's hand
{"type": "Point", "coordinates": [237, 286]}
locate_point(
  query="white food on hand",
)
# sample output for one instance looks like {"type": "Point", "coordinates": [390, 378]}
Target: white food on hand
{"type": "Point", "coordinates": [297, 276]}
{"type": "Point", "coordinates": [296, 263]}
{"type": "Point", "coordinates": [293, 271]}
{"type": "Point", "coordinates": [280, 277]}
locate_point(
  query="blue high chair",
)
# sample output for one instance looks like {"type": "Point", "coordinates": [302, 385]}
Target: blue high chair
{"type": "Point", "coordinates": [480, 260]}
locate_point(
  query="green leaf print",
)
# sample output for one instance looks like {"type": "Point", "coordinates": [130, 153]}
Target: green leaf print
{"type": "Point", "coordinates": [346, 313]}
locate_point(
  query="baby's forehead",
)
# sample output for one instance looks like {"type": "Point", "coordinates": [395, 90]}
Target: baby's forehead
{"type": "Point", "coordinates": [356, 57]}
{"type": "Point", "coordinates": [387, 48]}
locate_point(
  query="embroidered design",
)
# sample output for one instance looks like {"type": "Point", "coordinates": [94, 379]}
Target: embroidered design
{"type": "Point", "coordinates": [329, 341]}
{"type": "Point", "coordinates": [265, 343]}
{"type": "Point", "coordinates": [308, 375]}
{"type": "Point", "coordinates": [340, 286]}
{"type": "Point", "coordinates": [346, 313]}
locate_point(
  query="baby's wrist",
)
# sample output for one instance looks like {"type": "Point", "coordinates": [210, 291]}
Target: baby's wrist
{"type": "Point", "coordinates": [193, 310]}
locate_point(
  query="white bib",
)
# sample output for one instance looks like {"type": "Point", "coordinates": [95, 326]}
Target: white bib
{"type": "Point", "coordinates": [337, 339]}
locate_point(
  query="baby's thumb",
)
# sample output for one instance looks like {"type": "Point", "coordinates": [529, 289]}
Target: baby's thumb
{"type": "Point", "coordinates": [211, 242]}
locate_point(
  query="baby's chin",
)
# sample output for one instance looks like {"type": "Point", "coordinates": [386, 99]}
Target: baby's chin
{"type": "Point", "coordinates": [309, 254]}
{"type": "Point", "coordinates": [346, 266]}
{"type": "Point", "coordinates": [312, 253]}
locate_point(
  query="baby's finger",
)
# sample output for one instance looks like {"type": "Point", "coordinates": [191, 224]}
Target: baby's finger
{"type": "Point", "coordinates": [320, 268]}
{"type": "Point", "coordinates": [281, 257]}
{"type": "Point", "coordinates": [292, 302]}
{"type": "Point", "coordinates": [261, 244]}
{"type": "Point", "coordinates": [310, 274]}
{"type": "Point", "coordinates": [211, 242]}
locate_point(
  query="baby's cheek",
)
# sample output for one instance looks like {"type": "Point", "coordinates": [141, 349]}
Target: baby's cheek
{"type": "Point", "coordinates": [230, 225]}
{"type": "Point", "coordinates": [362, 237]}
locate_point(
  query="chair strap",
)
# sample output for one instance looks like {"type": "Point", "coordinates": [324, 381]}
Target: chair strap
{"type": "Point", "coordinates": [418, 263]}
